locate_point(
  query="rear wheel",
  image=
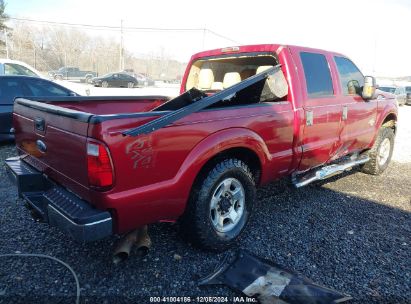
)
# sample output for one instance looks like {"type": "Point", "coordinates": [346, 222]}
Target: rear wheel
{"type": "Point", "coordinates": [381, 152]}
{"type": "Point", "coordinates": [220, 206]}
{"type": "Point", "coordinates": [130, 85]}
{"type": "Point", "coordinates": [104, 84]}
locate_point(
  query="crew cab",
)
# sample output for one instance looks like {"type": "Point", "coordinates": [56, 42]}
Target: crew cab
{"type": "Point", "coordinates": [248, 115]}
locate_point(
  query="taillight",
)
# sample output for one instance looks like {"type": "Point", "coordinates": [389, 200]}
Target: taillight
{"type": "Point", "coordinates": [100, 168]}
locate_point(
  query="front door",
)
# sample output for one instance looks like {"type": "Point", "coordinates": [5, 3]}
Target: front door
{"type": "Point", "coordinates": [359, 116]}
{"type": "Point", "coordinates": [321, 137]}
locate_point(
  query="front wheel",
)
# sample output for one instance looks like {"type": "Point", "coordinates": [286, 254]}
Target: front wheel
{"type": "Point", "coordinates": [381, 152]}
{"type": "Point", "coordinates": [220, 206]}
{"type": "Point", "coordinates": [104, 84]}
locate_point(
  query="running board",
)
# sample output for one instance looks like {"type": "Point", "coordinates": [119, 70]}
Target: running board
{"type": "Point", "coordinates": [327, 171]}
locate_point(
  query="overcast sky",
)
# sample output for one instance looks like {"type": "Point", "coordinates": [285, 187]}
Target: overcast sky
{"type": "Point", "coordinates": [375, 34]}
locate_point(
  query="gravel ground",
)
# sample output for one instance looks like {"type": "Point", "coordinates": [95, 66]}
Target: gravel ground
{"type": "Point", "coordinates": [351, 233]}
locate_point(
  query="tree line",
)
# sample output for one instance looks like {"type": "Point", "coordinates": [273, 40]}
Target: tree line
{"type": "Point", "coordinates": [51, 47]}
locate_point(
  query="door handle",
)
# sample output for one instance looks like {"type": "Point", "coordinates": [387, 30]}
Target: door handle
{"type": "Point", "coordinates": [309, 116]}
{"type": "Point", "coordinates": [345, 113]}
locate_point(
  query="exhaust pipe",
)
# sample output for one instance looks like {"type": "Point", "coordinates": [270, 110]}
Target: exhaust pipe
{"type": "Point", "coordinates": [139, 237]}
{"type": "Point", "coordinates": [143, 242]}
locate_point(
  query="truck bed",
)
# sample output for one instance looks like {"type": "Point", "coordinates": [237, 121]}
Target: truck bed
{"type": "Point", "coordinates": [63, 126]}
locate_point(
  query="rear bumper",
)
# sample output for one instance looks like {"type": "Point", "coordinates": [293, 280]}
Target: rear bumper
{"type": "Point", "coordinates": [53, 204]}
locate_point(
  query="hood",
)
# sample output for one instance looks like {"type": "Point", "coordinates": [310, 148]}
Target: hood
{"type": "Point", "coordinates": [383, 94]}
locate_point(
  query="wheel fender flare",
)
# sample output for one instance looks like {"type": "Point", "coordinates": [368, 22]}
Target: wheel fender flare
{"type": "Point", "coordinates": [215, 144]}
{"type": "Point", "coordinates": [388, 110]}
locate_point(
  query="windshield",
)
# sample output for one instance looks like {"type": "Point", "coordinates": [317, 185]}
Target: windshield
{"type": "Point", "coordinates": [219, 73]}
{"type": "Point", "coordinates": [387, 89]}
{"type": "Point", "coordinates": [408, 89]}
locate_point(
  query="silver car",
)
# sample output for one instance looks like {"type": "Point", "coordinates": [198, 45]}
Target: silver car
{"type": "Point", "coordinates": [399, 93]}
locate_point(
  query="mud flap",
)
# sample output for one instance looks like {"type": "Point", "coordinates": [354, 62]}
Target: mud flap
{"type": "Point", "coordinates": [269, 282]}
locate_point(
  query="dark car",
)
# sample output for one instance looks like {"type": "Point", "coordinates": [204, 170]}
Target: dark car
{"type": "Point", "coordinates": [116, 80]}
{"type": "Point", "coordinates": [399, 93]}
{"type": "Point", "coordinates": [23, 86]}
{"type": "Point", "coordinates": [408, 100]}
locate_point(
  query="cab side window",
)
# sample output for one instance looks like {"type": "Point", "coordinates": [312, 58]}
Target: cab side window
{"type": "Point", "coordinates": [352, 80]}
{"type": "Point", "coordinates": [317, 75]}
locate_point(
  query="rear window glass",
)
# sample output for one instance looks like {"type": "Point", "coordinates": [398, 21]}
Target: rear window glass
{"type": "Point", "coordinates": [219, 73]}
{"type": "Point", "coordinates": [17, 69]}
{"type": "Point", "coordinates": [317, 74]}
{"type": "Point", "coordinates": [39, 87]}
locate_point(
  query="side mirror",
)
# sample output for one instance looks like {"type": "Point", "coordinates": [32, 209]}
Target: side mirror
{"type": "Point", "coordinates": [368, 90]}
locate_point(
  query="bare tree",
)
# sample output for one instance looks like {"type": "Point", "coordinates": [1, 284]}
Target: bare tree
{"type": "Point", "coordinates": [50, 47]}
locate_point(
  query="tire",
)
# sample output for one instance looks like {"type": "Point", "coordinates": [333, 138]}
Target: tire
{"type": "Point", "coordinates": [88, 79]}
{"type": "Point", "coordinates": [381, 152]}
{"type": "Point", "coordinates": [58, 77]}
{"type": "Point", "coordinates": [130, 85]}
{"type": "Point", "coordinates": [104, 84]}
{"type": "Point", "coordinates": [209, 221]}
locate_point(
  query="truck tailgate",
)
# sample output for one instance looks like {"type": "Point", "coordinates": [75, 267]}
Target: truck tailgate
{"type": "Point", "coordinates": [54, 141]}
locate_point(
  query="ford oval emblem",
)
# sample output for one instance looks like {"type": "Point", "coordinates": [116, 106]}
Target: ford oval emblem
{"type": "Point", "coordinates": [41, 146]}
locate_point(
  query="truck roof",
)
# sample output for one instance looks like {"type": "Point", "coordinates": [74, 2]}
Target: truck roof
{"type": "Point", "coordinates": [253, 48]}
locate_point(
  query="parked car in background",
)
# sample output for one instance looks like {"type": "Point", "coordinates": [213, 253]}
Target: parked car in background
{"type": "Point", "coordinates": [143, 80]}
{"type": "Point", "coordinates": [73, 74]}
{"type": "Point", "coordinates": [23, 86]}
{"type": "Point", "coordinates": [408, 96]}
{"type": "Point", "coordinates": [15, 67]}
{"type": "Point", "coordinates": [399, 93]}
{"type": "Point", "coordinates": [116, 80]}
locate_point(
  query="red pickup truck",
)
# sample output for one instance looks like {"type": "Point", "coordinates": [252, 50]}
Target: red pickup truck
{"type": "Point", "coordinates": [248, 115]}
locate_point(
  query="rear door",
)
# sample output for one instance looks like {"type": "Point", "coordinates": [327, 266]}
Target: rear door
{"type": "Point", "coordinates": [359, 116]}
{"type": "Point", "coordinates": [322, 108]}
{"type": "Point", "coordinates": [115, 80]}
{"type": "Point", "coordinates": [123, 80]}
